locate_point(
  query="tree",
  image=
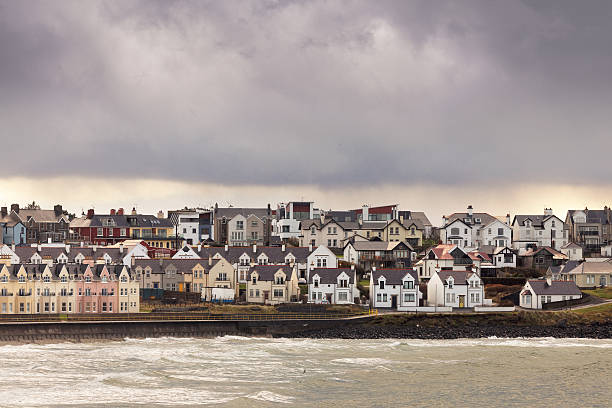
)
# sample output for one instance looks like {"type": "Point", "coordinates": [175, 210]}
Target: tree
{"type": "Point", "coordinates": [33, 206]}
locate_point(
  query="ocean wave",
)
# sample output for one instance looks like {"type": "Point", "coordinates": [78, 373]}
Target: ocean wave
{"type": "Point", "coordinates": [271, 397]}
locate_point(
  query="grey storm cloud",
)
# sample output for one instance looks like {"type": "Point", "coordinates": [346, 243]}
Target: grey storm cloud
{"type": "Point", "coordinates": [307, 92]}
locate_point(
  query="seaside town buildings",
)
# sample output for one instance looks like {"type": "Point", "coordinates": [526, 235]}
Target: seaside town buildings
{"type": "Point", "coordinates": [263, 255]}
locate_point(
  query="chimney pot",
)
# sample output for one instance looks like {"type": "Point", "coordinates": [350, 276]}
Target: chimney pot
{"type": "Point", "coordinates": [90, 213]}
{"type": "Point", "coordinates": [199, 248]}
{"type": "Point", "coordinates": [120, 211]}
{"type": "Point", "coordinates": [67, 248]}
{"type": "Point", "coordinates": [283, 247]}
{"type": "Point", "coordinates": [15, 207]}
{"type": "Point", "coordinates": [226, 247]}
{"type": "Point", "coordinates": [310, 248]}
{"type": "Point", "coordinates": [112, 211]}
{"type": "Point", "coordinates": [254, 248]}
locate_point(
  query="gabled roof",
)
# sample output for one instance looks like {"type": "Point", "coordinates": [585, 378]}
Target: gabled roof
{"type": "Point", "coordinates": [231, 212]}
{"type": "Point", "coordinates": [274, 254]}
{"type": "Point", "coordinates": [378, 245]}
{"type": "Point", "coordinates": [592, 216]}
{"type": "Point", "coordinates": [588, 267]}
{"type": "Point", "coordinates": [443, 251]}
{"type": "Point", "coordinates": [555, 254]}
{"type": "Point", "coordinates": [459, 277]}
{"type": "Point", "coordinates": [571, 245]}
{"type": "Point", "coordinates": [267, 272]}
{"type": "Point", "coordinates": [394, 276]}
{"type": "Point", "coordinates": [484, 218]}
{"type": "Point", "coordinates": [40, 215]}
{"type": "Point", "coordinates": [330, 275]}
{"type": "Point", "coordinates": [541, 287]}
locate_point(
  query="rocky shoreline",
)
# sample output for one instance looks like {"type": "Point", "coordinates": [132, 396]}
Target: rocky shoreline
{"type": "Point", "coordinates": [594, 331]}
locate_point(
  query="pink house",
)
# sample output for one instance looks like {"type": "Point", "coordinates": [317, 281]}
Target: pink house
{"type": "Point", "coordinates": [97, 289]}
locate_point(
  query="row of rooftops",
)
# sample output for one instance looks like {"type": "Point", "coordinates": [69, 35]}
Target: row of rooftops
{"type": "Point", "coordinates": [75, 271]}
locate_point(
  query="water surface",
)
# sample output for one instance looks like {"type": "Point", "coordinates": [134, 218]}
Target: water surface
{"type": "Point", "coordinates": [246, 372]}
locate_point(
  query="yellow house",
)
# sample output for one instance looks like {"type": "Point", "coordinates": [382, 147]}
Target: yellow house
{"type": "Point", "coordinates": [273, 284]}
{"type": "Point", "coordinates": [156, 232]}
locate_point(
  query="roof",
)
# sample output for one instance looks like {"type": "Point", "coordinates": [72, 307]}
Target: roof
{"type": "Point", "coordinates": [371, 225]}
{"type": "Point", "coordinates": [344, 216]}
{"type": "Point", "coordinates": [541, 287]}
{"type": "Point", "coordinates": [330, 275]}
{"type": "Point", "coordinates": [10, 219]}
{"type": "Point", "coordinates": [592, 216]}
{"type": "Point", "coordinates": [443, 251]}
{"type": "Point", "coordinates": [555, 254]}
{"type": "Point", "coordinates": [479, 256]}
{"type": "Point", "coordinates": [571, 245]}
{"type": "Point", "coordinates": [536, 220]}
{"type": "Point", "coordinates": [394, 276]}
{"type": "Point", "coordinates": [484, 218]}
{"type": "Point", "coordinates": [459, 277]}
{"type": "Point", "coordinates": [41, 215]}
{"type": "Point", "coordinates": [266, 272]}
{"type": "Point", "coordinates": [274, 254]}
{"type": "Point", "coordinates": [377, 245]}
{"type": "Point", "coordinates": [421, 217]}
{"type": "Point", "coordinates": [231, 212]}
{"type": "Point", "coordinates": [588, 267]}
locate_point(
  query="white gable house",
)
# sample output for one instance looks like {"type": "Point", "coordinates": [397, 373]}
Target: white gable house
{"type": "Point", "coordinates": [457, 289]}
{"type": "Point", "coordinates": [333, 286]}
{"type": "Point", "coordinates": [395, 288]}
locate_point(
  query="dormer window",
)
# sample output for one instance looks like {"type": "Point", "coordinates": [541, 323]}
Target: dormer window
{"type": "Point", "coordinates": [22, 279]}
{"type": "Point", "coordinates": [408, 284]}
{"type": "Point", "coordinates": [553, 224]}
{"type": "Point", "coordinates": [280, 280]}
{"type": "Point", "coordinates": [316, 283]}
{"type": "Point", "coordinates": [254, 280]}
{"type": "Point", "coordinates": [381, 284]}
{"type": "Point", "coordinates": [46, 278]}
{"type": "Point", "coordinates": [3, 278]}
{"type": "Point", "coordinates": [64, 279]}
{"type": "Point", "coordinates": [343, 283]}
{"type": "Point", "coordinates": [88, 279]}
{"type": "Point", "coordinates": [450, 283]}
{"type": "Point", "coordinates": [313, 230]}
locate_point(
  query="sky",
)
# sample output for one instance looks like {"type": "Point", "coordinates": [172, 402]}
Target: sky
{"type": "Point", "coordinates": [433, 105]}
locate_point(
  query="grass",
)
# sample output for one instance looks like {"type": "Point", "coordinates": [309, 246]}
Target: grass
{"type": "Point", "coordinates": [605, 293]}
{"type": "Point", "coordinates": [365, 283]}
{"type": "Point", "coordinates": [606, 309]}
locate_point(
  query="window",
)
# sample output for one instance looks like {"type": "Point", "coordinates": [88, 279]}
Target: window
{"type": "Point", "coordinates": [409, 297]}
{"type": "Point", "coordinates": [313, 230]}
{"type": "Point", "coordinates": [22, 279]}
{"type": "Point", "coordinates": [343, 283]}
{"type": "Point", "coordinates": [343, 296]}
{"type": "Point", "coordinates": [408, 284]}
{"type": "Point", "coordinates": [500, 231]}
{"type": "Point", "coordinates": [280, 280]}
{"type": "Point", "coordinates": [384, 297]}
{"type": "Point", "coordinates": [46, 278]}
{"type": "Point", "coordinates": [278, 293]}
{"type": "Point", "coordinates": [454, 231]}
{"type": "Point", "coordinates": [378, 297]}
{"type": "Point", "coordinates": [316, 283]}
{"type": "Point", "coordinates": [239, 225]}
{"type": "Point", "coordinates": [381, 284]}
{"type": "Point", "coordinates": [450, 283]}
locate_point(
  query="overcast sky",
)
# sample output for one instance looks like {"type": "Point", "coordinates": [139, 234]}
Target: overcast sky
{"type": "Point", "coordinates": [374, 100]}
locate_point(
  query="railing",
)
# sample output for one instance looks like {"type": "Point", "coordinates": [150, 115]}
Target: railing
{"type": "Point", "coordinates": [135, 317]}
{"type": "Point", "coordinates": [6, 294]}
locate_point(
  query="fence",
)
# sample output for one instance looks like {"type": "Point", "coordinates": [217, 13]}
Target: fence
{"type": "Point", "coordinates": [504, 281]}
{"type": "Point", "coordinates": [100, 317]}
{"type": "Point", "coordinates": [567, 303]}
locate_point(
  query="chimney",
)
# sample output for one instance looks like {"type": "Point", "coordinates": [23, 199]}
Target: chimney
{"type": "Point", "coordinates": [134, 211]}
{"type": "Point", "coordinates": [401, 219]}
{"type": "Point", "coordinates": [120, 211]}
{"type": "Point", "coordinates": [373, 269]}
{"type": "Point", "coordinates": [4, 211]}
{"type": "Point", "coordinates": [470, 210]}
{"type": "Point", "coordinates": [310, 248]}
{"type": "Point", "coordinates": [38, 248]}
{"type": "Point", "coordinates": [548, 212]}
{"type": "Point", "coordinates": [443, 220]}
{"type": "Point", "coordinates": [209, 260]}
{"type": "Point", "coordinates": [199, 248]}
{"type": "Point", "coordinates": [120, 248]}
{"type": "Point", "coordinates": [58, 210]}
{"type": "Point", "coordinates": [352, 267]}
{"type": "Point", "coordinates": [49, 240]}
{"type": "Point", "coordinates": [549, 281]}
{"type": "Point", "coordinates": [226, 247]}
{"type": "Point", "coordinates": [13, 246]}
{"type": "Point", "coordinates": [94, 247]}
{"type": "Point", "coordinates": [160, 214]}
{"type": "Point", "coordinates": [254, 248]}
{"type": "Point", "coordinates": [508, 219]}
{"type": "Point", "coordinates": [283, 248]}
{"type": "Point", "coordinates": [15, 207]}
{"type": "Point", "coordinates": [365, 215]}
{"type": "Point", "coordinates": [112, 212]}
{"type": "Point", "coordinates": [90, 213]}
{"type": "Point", "coordinates": [67, 248]}
{"type": "Point", "coordinates": [82, 244]}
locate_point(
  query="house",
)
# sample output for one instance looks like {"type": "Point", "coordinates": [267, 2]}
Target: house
{"type": "Point", "coordinates": [394, 288]}
{"type": "Point", "coordinates": [290, 215]}
{"type": "Point", "coordinates": [242, 226]}
{"type": "Point", "coordinates": [12, 230]}
{"type": "Point", "coordinates": [322, 257]}
{"type": "Point", "coordinates": [380, 254]}
{"type": "Point", "coordinates": [501, 257]}
{"type": "Point", "coordinates": [541, 230]}
{"type": "Point", "coordinates": [472, 230]}
{"type": "Point", "coordinates": [43, 225]}
{"type": "Point", "coordinates": [272, 284]}
{"type": "Point", "coordinates": [448, 257]}
{"type": "Point", "coordinates": [333, 286]}
{"type": "Point", "coordinates": [457, 289]}
{"type": "Point", "coordinates": [588, 274]}
{"type": "Point", "coordinates": [573, 251]}
{"type": "Point", "coordinates": [537, 292]}
{"type": "Point", "coordinates": [591, 229]}
{"type": "Point", "coordinates": [113, 228]}
{"type": "Point", "coordinates": [606, 251]}
{"type": "Point", "coordinates": [420, 219]}
{"type": "Point", "coordinates": [541, 258]}
{"type": "Point", "coordinates": [192, 224]}
{"type": "Point", "coordinates": [330, 233]}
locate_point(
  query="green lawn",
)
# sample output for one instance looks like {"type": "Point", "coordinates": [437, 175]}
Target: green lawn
{"type": "Point", "coordinates": [365, 282]}
{"type": "Point", "coordinates": [605, 293]}
{"type": "Point", "coordinates": [605, 308]}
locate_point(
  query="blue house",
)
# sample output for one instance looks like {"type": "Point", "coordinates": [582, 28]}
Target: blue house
{"type": "Point", "coordinates": [13, 230]}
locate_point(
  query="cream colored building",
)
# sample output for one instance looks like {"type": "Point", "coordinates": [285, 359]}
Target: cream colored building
{"type": "Point", "coordinates": [273, 284]}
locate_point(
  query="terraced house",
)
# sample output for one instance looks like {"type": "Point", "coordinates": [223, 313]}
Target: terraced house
{"type": "Point", "coordinates": [43, 225]}
{"type": "Point", "coordinates": [68, 288]}
{"type": "Point", "coordinates": [531, 231]}
{"type": "Point", "coordinates": [592, 229]}
{"type": "Point", "coordinates": [472, 230]}
{"type": "Point", "coordinates": [333, 286]}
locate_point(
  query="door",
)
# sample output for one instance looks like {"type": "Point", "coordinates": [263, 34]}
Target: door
{"type": "Point", "coordinates": [394, 301]}
{"type": "Point", "coordinates": [461, 300]}
{"type": "Point", "coordinates": [187, 287]}
{"type": "Point", "coordinates": [602, 280]}
{"type": "Point", "coordinates": [180, 287]}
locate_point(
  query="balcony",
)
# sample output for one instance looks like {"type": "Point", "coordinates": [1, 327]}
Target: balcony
{"type": "Point", "coordinates": [589, 233]}
{"type": "Point", "coordinates": [6, 294]}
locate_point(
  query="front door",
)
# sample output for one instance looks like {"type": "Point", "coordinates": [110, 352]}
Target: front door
{"type": "Point", "coordinates": [394, 301]}
{"type": "Point", "coordinates": [602, 280]}
{"type": "Point", "coordinates": [187, 287]}
{"type": "Point", "coordinates": [461, 300]}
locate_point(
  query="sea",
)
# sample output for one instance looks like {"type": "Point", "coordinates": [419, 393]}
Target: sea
{"type": "Point", "coordinates": [264, 372]}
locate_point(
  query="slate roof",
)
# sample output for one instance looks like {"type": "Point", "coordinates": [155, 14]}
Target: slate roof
{"type": "Point", "coordinates": [484, 218]}
{"type": "Point", "coordinates": [536, 220]}
{"type": "Point", "coordinates": [541, 287]}
{"type": "Point", "coordinates": [266, 272]}
{"type": "Point", "coordinates": [10, 219]}
{"type": "Point", "coordinates": [377, 245]}
{"type": "Point", "coordinates": [231, 212]}
{"type": "Point", "coordinates": [420, 216]}
{"type": "Point", "coordinates": [394, 276]}
{"type": "Point", "coordinates": [344, 216]}
{"type": "Point", "coordinates": [40, 215]}
{"type": "Point", "coordinates": [571, 245]}
{"type": "Point", "coordinates": [589, 267]}
{"type": "Point", "coordinates": [275, 254]}
{"type": "Point", "coordinates": [459, 277]}
{"type": "Point", "coordinates": [555, 254]}
{"type": "Point", "coordinates": [330, 275]}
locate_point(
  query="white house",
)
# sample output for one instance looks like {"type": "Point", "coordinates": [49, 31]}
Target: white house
{"type": "Point", "coordinates": [473, 230]}
{"type": "Point", "coordinates": [443, 256]}
{"type": "Point", "coordinates": [322, 257]}
{"type": "Point", "coordinates": [457, 289]}
{"type": "Point", "coordinates": [574, 251]}
{"type": "Point", "coordinates": [457, 233]}
{"type": "Point", "coordinates": [495, 233]}
{"type": "Point", "coordinates": [537, 292]}
{"type": "Point", "coordinates": [539, 231]}
{"type": "Point", "coordinates": [394, 288]}
{"type": "Point", "coordinates": [333, 286]}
